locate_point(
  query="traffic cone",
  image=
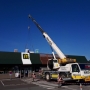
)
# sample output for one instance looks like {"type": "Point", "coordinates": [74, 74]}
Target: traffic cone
{"type": "Point", "coordinates": [80, 86]}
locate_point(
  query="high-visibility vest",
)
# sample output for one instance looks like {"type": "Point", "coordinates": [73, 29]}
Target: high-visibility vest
{"type": "Point", "coordinates": [59, 78]}
{"type": "Point", "coordinates": [40, 72]}
{"type": "Point", "coordinates": [33, 75]}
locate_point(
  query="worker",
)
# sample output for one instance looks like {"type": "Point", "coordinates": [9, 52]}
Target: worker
{"type": "Point", "coordinates": [10, 74]}
{"type": "Point", "coordinates": [33, 76]}
{"type": "Point", "coordinates": [40, 74]}
{"type": "Point", "coordinates": [60, 80]}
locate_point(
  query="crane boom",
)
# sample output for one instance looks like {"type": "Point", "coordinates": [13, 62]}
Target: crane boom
{"type": "Point", "coordinates": [49, 40]}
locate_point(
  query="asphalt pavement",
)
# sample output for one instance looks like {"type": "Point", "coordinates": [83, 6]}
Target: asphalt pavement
{"type": "Point", "coordinates": [15, 84]}
{"type": "Point", "coordinates": [27, 84]}
{"type": "Point", "coordinates": [53, 85]}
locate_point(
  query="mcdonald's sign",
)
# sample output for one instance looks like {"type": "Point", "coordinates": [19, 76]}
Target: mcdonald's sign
{"type": "Point", "coordinates": [25, 56]}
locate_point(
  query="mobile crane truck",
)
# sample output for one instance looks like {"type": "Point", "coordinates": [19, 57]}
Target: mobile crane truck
{"type": "Point", "coordinates": [68, 68]}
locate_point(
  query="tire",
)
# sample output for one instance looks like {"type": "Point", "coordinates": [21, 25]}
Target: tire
{"type": "Point", "coordinates": [47, 76]}
{"type": "Point", "coordinates": [63, 75]}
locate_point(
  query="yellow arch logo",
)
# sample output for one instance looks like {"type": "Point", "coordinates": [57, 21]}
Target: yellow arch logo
{"type": "Point", "coordinates": [25, 56]}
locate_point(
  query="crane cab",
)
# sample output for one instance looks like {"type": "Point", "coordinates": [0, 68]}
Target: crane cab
{"type": "Point", "coordinates": [53, 64]}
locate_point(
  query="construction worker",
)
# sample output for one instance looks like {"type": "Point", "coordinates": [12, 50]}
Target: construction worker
{"type": "Point", "coordinates": [40, 73]}
{"type": "Point", "coordinates": [33, 76]}
{"type": "Point", "coordinates": [10, 74]}
{"type": "Point", "coordinates": [60, 80]}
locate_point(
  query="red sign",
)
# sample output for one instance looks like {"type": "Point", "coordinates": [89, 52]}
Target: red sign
{"type": "Point", "coordinates": [87, 66]}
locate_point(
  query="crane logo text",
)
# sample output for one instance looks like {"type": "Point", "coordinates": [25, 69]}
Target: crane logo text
{"type": "Point", "coordinates": [49, 41]}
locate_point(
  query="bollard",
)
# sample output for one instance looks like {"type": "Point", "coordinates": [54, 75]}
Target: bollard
{"type": "Point", "coordinates": [28, 73]}
{"type": "Point", "coordinates": [33, 76]}
{"type": "Point", "coordinates": [20, 74]}
{"type": "Point", "coordinates": [39, 75]}
{"type": "Point", "coordinates": [80, 86]}
{"type": "Point", "coordinates": [10, 74]}
{"type": "Point", "coordinates": [24, 73]}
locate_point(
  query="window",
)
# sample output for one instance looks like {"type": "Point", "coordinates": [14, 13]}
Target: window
{"type": "Point", "coordinates": [75, 68]}
{"type": "Point", "coordinates": [84, 66]}
{"type": "Point", "coordinates": [55, 61]}
{"type": "Point", "coordinates": [50, 64]}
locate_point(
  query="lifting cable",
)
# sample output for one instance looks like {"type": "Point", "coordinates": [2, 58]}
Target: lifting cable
{"type": "Point", "coordinates": [26, 46]}
{"type": "Point", "coordinates": [28, 39]}
{"type": "Point", "coordinates": [52, 51]}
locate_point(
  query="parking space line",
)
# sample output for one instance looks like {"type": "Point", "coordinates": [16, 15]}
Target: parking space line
{"type": "Point", "coordinates": [16, 84]}
{"type": "Point", "coordinates": [2, 82]}
{"type": "Point", "coordinates": [12, 84]}
{"type": "Point", "coordinates": [70, 88]}
{"type": "Point", "coordinates": [9, 79]}
{"type": "Point", "coordinates": [50, 88]}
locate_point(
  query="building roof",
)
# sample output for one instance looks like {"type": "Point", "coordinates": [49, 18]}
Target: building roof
{"type": "Point", "coordinates": [10, 58]}
{"type": "Point", "coordinates": [15, 58]}
{"type": "Point", "coordinates": [80, 59]}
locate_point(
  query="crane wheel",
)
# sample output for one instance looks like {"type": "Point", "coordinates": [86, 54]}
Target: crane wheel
{"type": "Point", "coordinates": [63, 75]}
{"type": "Point", "coordinates": [47, 76]}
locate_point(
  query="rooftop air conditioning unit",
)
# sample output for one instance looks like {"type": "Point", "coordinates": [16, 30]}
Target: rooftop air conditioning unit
{"type": "Point", "coordinates": [27, 50]}
{"type": "Point", "coordinates": [15, 50]}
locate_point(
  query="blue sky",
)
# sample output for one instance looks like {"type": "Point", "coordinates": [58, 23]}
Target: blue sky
{"type": "Point", "coordinates": [67, 22]}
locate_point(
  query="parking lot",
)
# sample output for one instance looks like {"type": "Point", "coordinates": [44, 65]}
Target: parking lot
{"type": "Point", "coordinates": [27, 84]}
{"type": "Point", "coordinates": [14, 84]}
